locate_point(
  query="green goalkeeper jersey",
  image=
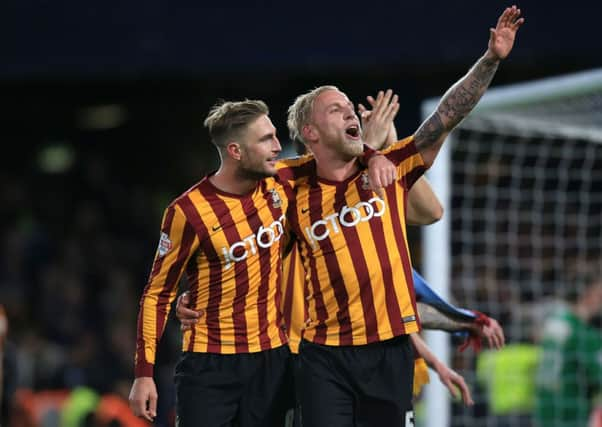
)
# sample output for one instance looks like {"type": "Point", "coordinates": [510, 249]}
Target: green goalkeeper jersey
{"type": "Point", "coordinates": [570, 370]}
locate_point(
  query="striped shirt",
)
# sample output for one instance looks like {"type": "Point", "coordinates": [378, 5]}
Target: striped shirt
{"type": "Point", "coordinates": [354, 248]}
{"type": "Point", "coordinates": [229, 248]}
{"type": "Point", "coordinates": [294, 310]}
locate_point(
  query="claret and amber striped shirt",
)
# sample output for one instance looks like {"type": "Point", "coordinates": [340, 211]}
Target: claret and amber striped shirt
{"type": "Point", "coordinates": [354, 249]}
{"type": "Point", "coordinates": [229, 247]}
{"type": "Point", "coordinates": [294, 310]}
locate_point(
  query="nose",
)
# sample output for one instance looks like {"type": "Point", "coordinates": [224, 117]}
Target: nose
{"type": "Point", "coordinates": [276, 147]}
{"type": "Point", "coordinates": [349, 113]}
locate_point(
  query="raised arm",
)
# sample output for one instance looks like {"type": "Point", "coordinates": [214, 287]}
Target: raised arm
{"type": "Point", "coordinates": [462, 97]}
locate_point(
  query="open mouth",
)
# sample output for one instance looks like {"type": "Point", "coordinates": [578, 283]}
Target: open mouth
{"type": "Point", "coordinates": [353, 131]}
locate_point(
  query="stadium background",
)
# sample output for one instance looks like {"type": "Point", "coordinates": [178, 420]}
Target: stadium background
{"type": "Point", "coordinates": [101, 126]}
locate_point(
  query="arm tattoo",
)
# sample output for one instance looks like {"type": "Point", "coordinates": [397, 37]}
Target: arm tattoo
{"type": "Point", "coordinates": [431, 318]}
{"type": "Point", "coordinates": [457, 103]}
{"type": "Point", "coordinates": [429, 132]}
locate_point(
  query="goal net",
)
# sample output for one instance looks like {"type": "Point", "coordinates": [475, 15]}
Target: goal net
{"type": "Point", "coordinates": [521, 182]}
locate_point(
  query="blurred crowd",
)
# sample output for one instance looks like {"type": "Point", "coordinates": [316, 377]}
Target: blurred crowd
{"type": "Point", "coordinates": [75, 250]}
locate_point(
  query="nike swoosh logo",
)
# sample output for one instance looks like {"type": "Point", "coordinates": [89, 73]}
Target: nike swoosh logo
{"type": "Point", "coordinates": [304, 210]}
{"type": "Point", "coordinates": [216, 227]}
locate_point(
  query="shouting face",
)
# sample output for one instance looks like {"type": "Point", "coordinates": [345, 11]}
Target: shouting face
{"type": "Point", "coordinates": [335, 125]}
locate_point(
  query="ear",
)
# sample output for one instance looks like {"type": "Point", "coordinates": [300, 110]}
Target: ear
{"type": "Point", "coordinates": [233, 150]}
{"type": "Point", "coordinates": [310, 133]}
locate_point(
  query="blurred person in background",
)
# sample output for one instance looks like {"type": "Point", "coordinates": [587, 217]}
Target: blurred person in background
{"type": "Point", "coordinates": [569, 375]}
{"type": "Point", "coordinates": [507, 377]}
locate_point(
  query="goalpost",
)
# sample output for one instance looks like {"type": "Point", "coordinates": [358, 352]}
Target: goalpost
{"type": "Point", "coordinates": [521, 184]}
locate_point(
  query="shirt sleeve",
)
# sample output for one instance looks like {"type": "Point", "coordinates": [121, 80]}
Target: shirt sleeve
{"type": "Point", "coordinates": [407, 158]}
{"type": "Point", "coordinates": [177, 243]}
{"type": "Point", "coordinates": [295, 170]}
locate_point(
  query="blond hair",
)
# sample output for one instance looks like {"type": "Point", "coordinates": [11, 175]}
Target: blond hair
{"type": "Point", "coordinates": [299, 114]}
{"type": "Point", "coordinates": [226, 119]}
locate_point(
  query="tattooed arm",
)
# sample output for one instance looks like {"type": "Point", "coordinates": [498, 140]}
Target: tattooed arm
{"type": "Point", "coordinates": [462, 97]}
{"type": "Point", "coordinates": [431, 318]}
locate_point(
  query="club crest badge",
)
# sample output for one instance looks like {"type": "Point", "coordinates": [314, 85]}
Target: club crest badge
{"type": "Point", "coordinates": [276, 200]}
{"type": "Point", "coordinates": [365, 181]}
{"type": "Point", "coordinates": [164, 244]}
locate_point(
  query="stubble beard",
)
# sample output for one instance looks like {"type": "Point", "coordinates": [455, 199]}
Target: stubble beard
{"type": "Point", "coordinates": [253, 174]}
{"type": "Point", "coordinates": [345, 149]}
{"type": "Point", "coordinates": [352, 149]}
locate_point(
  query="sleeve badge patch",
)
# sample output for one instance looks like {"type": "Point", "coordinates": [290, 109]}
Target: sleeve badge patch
{"type": "Point", "coordinates": [164, 244]}
{"type": "Point", "coordinates": [276, 200]}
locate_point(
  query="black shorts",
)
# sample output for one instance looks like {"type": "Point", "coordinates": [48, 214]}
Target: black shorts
{"type": "Point", "coordinates": [242, 390]}
{"type": "Point", "coordinates": [293, 415]}
{"type": "Point", "coordinates": [367, 385]}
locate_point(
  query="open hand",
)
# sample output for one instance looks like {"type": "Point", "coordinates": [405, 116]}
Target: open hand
{"type": "Point", "coordinates": [454, 381]}
{"type": "Point", "coordinates": [366, 115]}
{"type": "Point", "coordinates": [376, 124]}
{"type": "Point", "coordinates": [501, 38]}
